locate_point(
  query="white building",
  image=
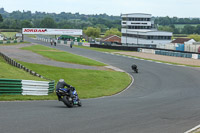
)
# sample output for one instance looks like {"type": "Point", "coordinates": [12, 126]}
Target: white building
{"type": "Point", "coordinates": [137, 28]}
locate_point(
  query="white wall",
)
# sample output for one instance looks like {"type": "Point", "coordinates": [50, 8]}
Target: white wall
{"type": "Point", "coordinates": [192, 48]}
{"type": "Point", "coordinates": [143, 41]}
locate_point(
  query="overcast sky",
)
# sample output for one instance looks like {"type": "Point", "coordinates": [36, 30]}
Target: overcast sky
{"type": "Point", "coordinates": [178, 8]}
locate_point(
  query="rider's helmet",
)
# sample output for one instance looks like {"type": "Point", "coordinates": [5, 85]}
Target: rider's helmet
{"type": "Point", "coordinates": [61, 80]}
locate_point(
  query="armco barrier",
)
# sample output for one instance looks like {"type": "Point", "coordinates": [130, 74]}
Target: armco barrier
{"type": "Point", "coordinates": [10, 86]}
{"type": "Point", "coordinates": [25, 87]}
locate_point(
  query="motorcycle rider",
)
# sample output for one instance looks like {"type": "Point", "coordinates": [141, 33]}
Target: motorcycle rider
{"type": "Point", "coordinates": [134, 67]}
{"type": "Point", "coordinates": [61, 84]}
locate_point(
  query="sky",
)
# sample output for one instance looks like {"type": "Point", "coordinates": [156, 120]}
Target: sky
{"type": "Point", "coordinates": [171, 8]}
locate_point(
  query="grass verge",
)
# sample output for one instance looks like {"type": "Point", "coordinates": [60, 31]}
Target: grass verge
{"type": "Point", "coordinates": [62, 55]}
{"type": "Point", "coordinates": [99, 49]}
{"type": "Point", "coordinates": [9, 72]}
{"type": "Point", "coordinates": [7, 44]}
{"type": "Point", "coordinates": [88, 83]}
{"type": "Point", "coordinates": [9, 34]}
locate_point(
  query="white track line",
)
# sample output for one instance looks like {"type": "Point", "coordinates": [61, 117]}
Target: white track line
{"type": "Point", "coordinates": [193, 129]}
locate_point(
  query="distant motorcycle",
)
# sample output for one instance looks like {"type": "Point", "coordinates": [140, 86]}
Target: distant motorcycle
{"type": "Point", "coordinates": [69, 97]}
{"type": "Point", "coordinates": [134, 68]}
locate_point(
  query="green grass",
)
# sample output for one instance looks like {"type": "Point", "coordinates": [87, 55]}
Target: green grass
{"type": "Point", "coordinates": [9, 34]}
{"type": "Point", "coordinates": [62, 56]}
{"type": "Point", "coordinates": [9, 72]}
{"type": "Point", "coordinates": [31, 36]}
{"type": "Point", "coordinates": [88, 83]}
{"type": "Point", "coordinates": [99, 49]}
{"type": "Point", "coordinates": [6, 44]}
{"type": "Point", "coordinates": [27, 97]}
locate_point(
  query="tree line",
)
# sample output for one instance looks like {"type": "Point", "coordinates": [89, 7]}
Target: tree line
{"type": "Point", "coordinates": [18, 20]}
{"type": "Point", "coordinates": [187, 29]}
{"type": "Point", "coordinates": [175, 20]}
{"type": "Point", "coordinates": [102, 22]}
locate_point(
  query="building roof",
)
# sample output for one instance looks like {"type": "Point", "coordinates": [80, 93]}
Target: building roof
{"type": "Point", "coordinates": [181, 40]}
{"type": "Point", "coordinates": [110, 36]}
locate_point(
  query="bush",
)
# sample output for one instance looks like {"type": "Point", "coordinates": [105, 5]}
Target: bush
{"type": "Point", "coordinates": [196, 37]}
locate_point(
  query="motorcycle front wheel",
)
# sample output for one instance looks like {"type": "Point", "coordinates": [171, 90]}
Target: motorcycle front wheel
{"type": "Point", "coordinates": [67, 102]}
{"type": "Point", "coordinates": [79, 103]}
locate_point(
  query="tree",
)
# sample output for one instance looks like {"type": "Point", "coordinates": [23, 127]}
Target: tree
{"type": "Point", "coordinates": [166, 28]}
{"type": "Point", "coordinates": [196, 37]}
{"type": "Point", "coordinates": [188, 29]}
{"type": "Point", "coordinates": [92, 32]}
{"type": "Point", "coordinates": [113, 31]}
{"type": "Point", "coordinates": [26, 24]}
{"type": "Point", "coordinates": [198, 29]}
{"type": "Point", "coordinates": [1, 18]}
{"type": "Point", "coordinates": [48, 22]}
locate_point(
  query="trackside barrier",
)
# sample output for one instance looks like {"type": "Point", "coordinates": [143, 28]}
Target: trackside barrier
{"type": "Point", "coordinates": [25, 87]}
{"type": "Point", "coordinates": [10, 86]}
{"type": "Point", "coordinates": [171, 53]}
{"type": "Point", "coordinates": [13, 41]}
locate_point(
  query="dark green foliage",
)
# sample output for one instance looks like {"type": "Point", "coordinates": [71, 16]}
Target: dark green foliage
{"type": "Point", "coordinates": [25, 19]}
{"type": "Point", "coordinates": [48, 22]}
{"type": "Point", "coordinates": [1, 18]}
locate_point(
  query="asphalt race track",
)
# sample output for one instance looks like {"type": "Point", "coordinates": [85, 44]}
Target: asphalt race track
{"type": "Point", "coordinates": [163, 99]}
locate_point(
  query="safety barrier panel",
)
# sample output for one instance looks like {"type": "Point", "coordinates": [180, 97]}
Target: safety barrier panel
{"type": "Point", "coordinates": [10, 86]}
{"type": "Point", "coordinates": [25, 87]}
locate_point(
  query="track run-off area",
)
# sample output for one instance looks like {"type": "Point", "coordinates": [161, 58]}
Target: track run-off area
{"type": "Point", "coordinates": [163, 99]}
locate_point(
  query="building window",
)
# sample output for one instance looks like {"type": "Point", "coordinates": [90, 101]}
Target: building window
{"type": "Point", "coordinates": [124, 19]}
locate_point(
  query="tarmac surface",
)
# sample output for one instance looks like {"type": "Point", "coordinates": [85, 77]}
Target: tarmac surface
{"type": "Point", "coordinates": [163, 99]}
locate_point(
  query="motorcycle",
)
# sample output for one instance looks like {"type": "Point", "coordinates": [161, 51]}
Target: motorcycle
{"type": "Point", "coordinates": [134, 68]}
{"type": "Point", "coordinates": [69, 97]}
